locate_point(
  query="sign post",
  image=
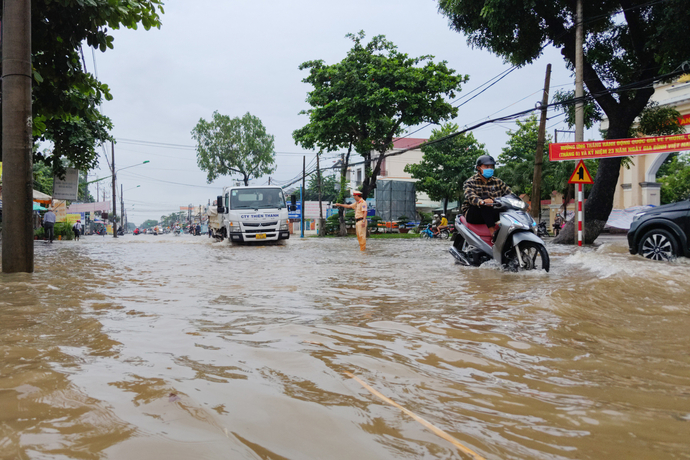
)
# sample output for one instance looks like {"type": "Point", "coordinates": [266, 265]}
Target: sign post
{"type": "Point", "coordinates": [579, 177]}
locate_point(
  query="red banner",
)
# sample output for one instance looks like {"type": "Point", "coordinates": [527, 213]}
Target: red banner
{"type": "Point", "coordinates": [618, 147]}
{"type": "Point", "coordinates": [684, 120]}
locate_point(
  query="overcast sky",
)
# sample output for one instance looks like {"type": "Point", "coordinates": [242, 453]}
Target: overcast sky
{"type": "Point", "coordinates": [240, 56]}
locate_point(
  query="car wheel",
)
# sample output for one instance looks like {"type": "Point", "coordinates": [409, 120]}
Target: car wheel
{"type": "Point", "coordinates": [658, 244]}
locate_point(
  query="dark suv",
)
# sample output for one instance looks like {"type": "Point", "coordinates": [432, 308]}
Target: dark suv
{"type": "Point", "coordinates": [661, 233]}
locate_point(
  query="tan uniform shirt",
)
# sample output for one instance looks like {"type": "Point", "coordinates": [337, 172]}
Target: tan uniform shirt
{"type": "Point", "coordinates": [361, 209]}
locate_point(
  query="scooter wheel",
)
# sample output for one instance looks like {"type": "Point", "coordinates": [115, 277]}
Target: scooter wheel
{"type": "Point", "coordinates": [534, 256]}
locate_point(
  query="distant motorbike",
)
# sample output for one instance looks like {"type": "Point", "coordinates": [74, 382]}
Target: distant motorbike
{"type": "Point", "coordinates": [542, 230]}
{"type": "Point", "coordinates": [516, 246]}
{"type": "Point", "coordinates": [428, 233]}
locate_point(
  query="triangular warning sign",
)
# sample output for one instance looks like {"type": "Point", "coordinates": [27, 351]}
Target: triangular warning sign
{"type": "Point", "coordinates": [581, 175]}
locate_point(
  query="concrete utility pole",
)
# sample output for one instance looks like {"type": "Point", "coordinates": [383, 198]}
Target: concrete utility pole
{"type": "Point", "coordinates": [579, 85]}
{"type": "Point", "coordinates": [122, 207]}
{"type": "Point", "coordinates": [318, 179]}
{"type": "Point", "coordinates": [17, 174]}
{"type": "Point", "coordinates": [304, 176]}
{"type": "Point", "coordinates": [539, 154]}
{"type": "Point", "coordinates": [114, 197]}
{"type": "Point", "coordinates": [579, 109]}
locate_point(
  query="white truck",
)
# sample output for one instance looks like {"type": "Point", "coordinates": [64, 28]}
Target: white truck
{"type": "Point", "coordinates": [250, 214]}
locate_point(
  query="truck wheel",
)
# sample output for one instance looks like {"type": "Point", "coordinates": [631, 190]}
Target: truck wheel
{"type": "Point", "coordinates": [658, 244]}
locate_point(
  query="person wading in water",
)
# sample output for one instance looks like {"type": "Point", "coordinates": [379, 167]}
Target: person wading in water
{"type": "Point", "coordinates": [360, 207]}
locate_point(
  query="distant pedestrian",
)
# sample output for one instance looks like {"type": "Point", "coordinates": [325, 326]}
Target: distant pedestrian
{"type": "Point", "coordinates": [557, 224]}
{"type": "Point", "coordinates": [360, 207]}
{"type": "Point", "coordinates": [198, 229]}
{"type": "Point", "coordinates": [77, 229]}
{"type": "Point", "coordinates": [49, 224]}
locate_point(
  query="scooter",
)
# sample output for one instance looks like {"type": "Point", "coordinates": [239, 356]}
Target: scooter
{"type": "Point", "coordinates": [542, 230]}
{"type": "Point", "coordinates": [516, 245]}
{"type": "Point", "coordinates": [427, 233]}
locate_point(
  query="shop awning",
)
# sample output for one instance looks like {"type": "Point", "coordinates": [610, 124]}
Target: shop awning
{"type": "Point", "coordinates": [40, 197]}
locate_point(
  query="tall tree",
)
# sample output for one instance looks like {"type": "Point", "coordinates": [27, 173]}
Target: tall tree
{"type": "Point", "coordinates": [328, 187]}
{"type": "Point", "coordinates": [629, 44]}
{"type": "Point", "coordinates": [227, 146]}
{"type": "Point", "coordinates": [517, 163]}
{"type": "Point", "coordinates": [65, 96]}
{"type": "Point", "coordinates": [365, 100]}
{"type": "Point", "coordinates": [446, 165]}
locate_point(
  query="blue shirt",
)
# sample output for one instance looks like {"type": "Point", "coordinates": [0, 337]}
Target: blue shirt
{"type": "Point", "coordinates": [49, 217]}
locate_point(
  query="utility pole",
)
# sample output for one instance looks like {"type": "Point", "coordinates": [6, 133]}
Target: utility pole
{"type": "Point", "coordinates": [17, 180]}
{"type": "Point", "coordinates": [318, 181]}
{"type": "Point", "coordinates": [539, 154]}
{"type": "Point", "coordinates": [112, 144]}
{"type": "Point", "coordinates": [579, 110]}
{"type": "Point", "coordinates": [304, 176]}
{"type": "Point", "coordinates": [122, 208]}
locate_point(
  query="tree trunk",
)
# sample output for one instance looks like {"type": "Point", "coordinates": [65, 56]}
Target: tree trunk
{"type": "Point", "coordinates": [342, 231]}
{"type": "Point", "coordinates": [246, 180]}
{"type": "Point", "coordinates": [445, 205]}
{"type": "Point", "coordinates": [598, 207]}
{"type": "Point", "coordinates": [369, 183]}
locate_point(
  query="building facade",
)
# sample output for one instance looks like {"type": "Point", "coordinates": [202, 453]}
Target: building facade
{"type": "Point", "coordinates": [637, 185]}
{"type": "Point", "coordinates": [393, 168]}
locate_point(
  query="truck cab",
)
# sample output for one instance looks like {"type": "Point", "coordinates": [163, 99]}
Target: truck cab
{"type": "Point", "coordinates": [250, 214]}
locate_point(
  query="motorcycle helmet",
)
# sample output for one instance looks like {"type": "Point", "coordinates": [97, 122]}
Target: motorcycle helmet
{"type": "Point", "coordinates": [485, 160]}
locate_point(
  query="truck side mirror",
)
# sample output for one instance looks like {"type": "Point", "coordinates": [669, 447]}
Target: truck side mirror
{"type": "Point", "coordinates": [219, 204]}
{"type": "Point", "coordinates": [293, 203]}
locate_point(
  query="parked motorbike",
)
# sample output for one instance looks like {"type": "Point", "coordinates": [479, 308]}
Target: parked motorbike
{"type": "Point", "coordinates": [516, 245]}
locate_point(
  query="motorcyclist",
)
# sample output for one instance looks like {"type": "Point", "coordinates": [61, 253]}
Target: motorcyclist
{"type": "Point", "coordinates": [435, 222]}
{"type": "Point", "coordinates": [480, 191]}
{"type": "Point", "coordinates": [444, 222]}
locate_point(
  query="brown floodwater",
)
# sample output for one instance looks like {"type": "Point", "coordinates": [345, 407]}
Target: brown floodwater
{"type": "Point", "coordinates": [176, 347]}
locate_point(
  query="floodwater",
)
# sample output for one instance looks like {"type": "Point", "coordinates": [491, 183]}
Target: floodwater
{"type": "Point", "coordinates": [176, 347]}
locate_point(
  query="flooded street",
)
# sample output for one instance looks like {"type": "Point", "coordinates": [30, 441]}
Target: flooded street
{"type": "Point", "coordinates": [176, 347]}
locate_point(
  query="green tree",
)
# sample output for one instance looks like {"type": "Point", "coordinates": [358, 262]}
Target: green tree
{"type": "Point", "coordinates": [675, 184]}
{"type": "Point", "coordinates": [227, 146]}
{"type": "Point", "coordinates": [629, 44]}
{"type": "Point", "coordinates": [517, 157]}
{"type": "Point", "coordinates": [446, 165]}
{"type": "Point", "coordinates": [517, 163]}
{"type": "Point", "coordinates": [65, 96]}
{"type": "Point", "coordinates": [328, 190]}
{"type": "Point", "coordinates": [150, 223]}
{"type": "Point", "coordinates": [365, 100]}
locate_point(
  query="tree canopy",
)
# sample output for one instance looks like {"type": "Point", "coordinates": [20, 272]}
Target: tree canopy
{"type": "Point", "coordinates": [446, 165]}
{"type": "Point", "coordinates": [629, 44]}
{"type": "Point", "coordinates": [328, 188]}
{"type": "Point", "coordinates": [239, 145]}
{"type": "Point", "coordinates": [365, 100]}
{"type": "Point", "coordinates": [517, 163]}
{"type": "Point", "coordinates": [65, 96]}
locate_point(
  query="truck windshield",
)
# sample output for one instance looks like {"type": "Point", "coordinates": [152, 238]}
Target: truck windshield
{"type": "Point", "coordinates": [257, 198]}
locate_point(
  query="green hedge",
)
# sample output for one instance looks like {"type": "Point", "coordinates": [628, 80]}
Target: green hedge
{"type": "Point", "coordinates": [63, 229]}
